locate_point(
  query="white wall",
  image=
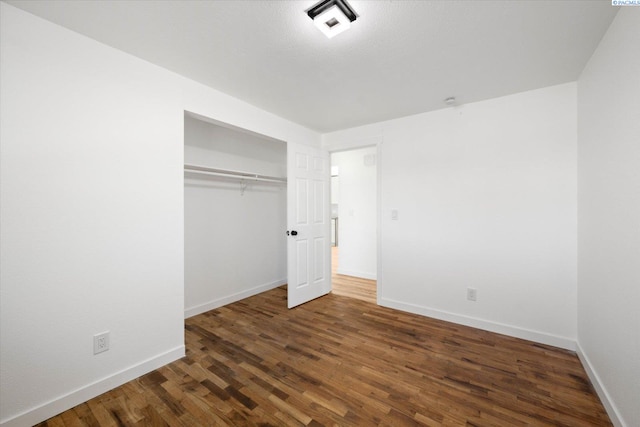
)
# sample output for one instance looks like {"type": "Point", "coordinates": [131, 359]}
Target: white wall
{"type": "Point", "coordinates": [609, 218]}
{"type": "Point", "coordinates": [235, 242]}
{"type": "Point", "coordinates": [486, 198]}
{"type": "Point", "coordinates": [357, 205]}
{"type": "Point", "coordinates": [91, 212]}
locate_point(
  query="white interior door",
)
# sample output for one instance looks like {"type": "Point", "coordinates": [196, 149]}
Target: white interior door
{"type": "Point", "coordinates": [309, 224]}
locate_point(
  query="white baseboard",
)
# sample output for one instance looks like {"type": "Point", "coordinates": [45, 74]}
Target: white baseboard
{"type": "Point", "coordinates": [370, 276]}
{"type": "Point", "coordinates": [228, 299]}
{"type": "Point", "coordinates": [606, 400]}
{"type": "Point", "coordinates": [81, 395]}
{"type": "Point", "coordinates": [513, 331]}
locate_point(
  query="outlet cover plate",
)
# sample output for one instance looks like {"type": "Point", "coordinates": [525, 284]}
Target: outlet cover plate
{"type": "Point", "coordinates": [101, 342]}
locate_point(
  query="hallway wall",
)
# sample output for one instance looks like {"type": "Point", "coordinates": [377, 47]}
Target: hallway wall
{"type": "Point", "coordinates": [357, 204]}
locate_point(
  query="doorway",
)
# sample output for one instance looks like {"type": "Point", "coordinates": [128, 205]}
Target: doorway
{"type": "Point", "coordinates": [243, 191]}
{"type": "Point", "coordinates": [354, 223]}
{"type": "Point", "coordinates": [235, 207]}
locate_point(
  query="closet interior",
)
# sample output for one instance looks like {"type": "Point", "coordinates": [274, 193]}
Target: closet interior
{"type": "Point", "coordinates": [235, 207]}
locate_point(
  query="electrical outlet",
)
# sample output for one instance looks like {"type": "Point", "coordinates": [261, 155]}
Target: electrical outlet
{"type": "Point", "coordinates": [101, 342]}
{"type": "Point", "coordinates": [471, 294]}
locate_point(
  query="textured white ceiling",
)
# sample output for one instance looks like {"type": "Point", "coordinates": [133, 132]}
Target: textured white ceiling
{"type": "Point", "coordinates": [399, 58]}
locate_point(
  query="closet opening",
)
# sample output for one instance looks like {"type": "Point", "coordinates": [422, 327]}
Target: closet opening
{"type": "Point", "coordinates": [235, 214]}
{"type": "Point", "coordinates": [354, 223]}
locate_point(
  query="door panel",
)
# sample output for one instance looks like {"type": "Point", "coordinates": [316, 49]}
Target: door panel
{"type": "Point", "coordinates": [318, 202]}
{"type": "Point", "coordinates": [301, 256]}
{"type": "Point", "coordinates": [320, 260]}
{"type": "Point", "coordinates": [302, 195]}
{"type": "Point", "coordinates": [308, 215]}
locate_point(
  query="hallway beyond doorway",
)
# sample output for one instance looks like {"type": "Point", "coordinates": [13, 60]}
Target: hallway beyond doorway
{"type": "Point", "coordinates": [350, 286]}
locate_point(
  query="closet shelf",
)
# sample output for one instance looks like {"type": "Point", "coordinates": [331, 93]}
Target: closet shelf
{"type": "Point", "coordinates": [232, 174]}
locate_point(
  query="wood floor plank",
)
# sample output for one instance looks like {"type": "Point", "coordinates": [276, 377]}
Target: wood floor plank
{"type": "Point", "coordinates": [339, 361]}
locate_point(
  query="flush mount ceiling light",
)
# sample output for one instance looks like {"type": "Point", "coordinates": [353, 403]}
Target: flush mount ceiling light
{"type": "Point", "coordinates": [332, 17]}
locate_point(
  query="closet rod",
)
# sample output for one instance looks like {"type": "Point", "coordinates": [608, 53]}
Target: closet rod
{"type": "Point", "coordinates": [232, 174]}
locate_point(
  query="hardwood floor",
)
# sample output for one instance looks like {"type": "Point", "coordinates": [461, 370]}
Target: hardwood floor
{"type": "Point", "coordinates": [349, 286]}
{"type": "Point", "coordinates": [339, 361]}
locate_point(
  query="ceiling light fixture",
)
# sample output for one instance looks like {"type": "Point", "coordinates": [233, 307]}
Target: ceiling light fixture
{"type": "Point", "coordinates": [332, 17]}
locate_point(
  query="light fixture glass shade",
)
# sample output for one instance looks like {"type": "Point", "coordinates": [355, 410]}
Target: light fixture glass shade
{"type": "Point", "coordinates": [332, 21]}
